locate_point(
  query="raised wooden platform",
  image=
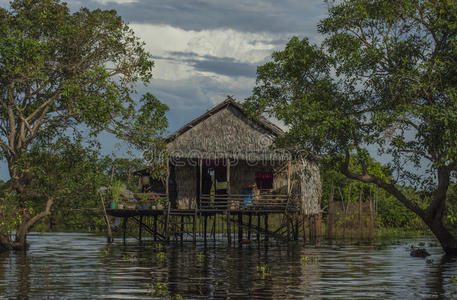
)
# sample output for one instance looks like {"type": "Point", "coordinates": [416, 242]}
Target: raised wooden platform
{"type": "Point", "coordinates": [227, 224]}
{"type": "Point", "coordinates": [125, 212]}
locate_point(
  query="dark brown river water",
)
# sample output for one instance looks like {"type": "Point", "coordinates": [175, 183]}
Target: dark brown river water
{"type": "Point", "coordinates": [83, 266]}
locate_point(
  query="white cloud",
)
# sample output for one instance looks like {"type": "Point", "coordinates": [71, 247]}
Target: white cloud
{"type": "Point", "coordinates": [162, 41]}
{"type": "Point", "coordinates": [241, 46]}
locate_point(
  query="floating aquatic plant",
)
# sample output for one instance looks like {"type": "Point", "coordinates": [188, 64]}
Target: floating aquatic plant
{"type": "Point", "coordinates": [158, 289]}
{"type": "Point", "coordinates": [263, 270]}
{"type": "Point", "coordinates": [304, 260]}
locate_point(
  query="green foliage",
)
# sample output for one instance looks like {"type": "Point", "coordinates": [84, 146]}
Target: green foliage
{"type": "Point", "coordinates": [452, 206]}
{"type": "Point", "coordinates": [390, 213]}
{"type": "Point", "coordinates": [10, 214]}
{"type": "Point", "coordinates": [122, 169]}
{"type": "Point", "coordinates": [61, 74]}
{"type": "Point", "coordinates": [143, 197]}
{"type": "Point", "coordinates": [305, 260]}
{"type": "Point", "coordinates": [116, 189]}
{"type": "Point", "coordinates": [158, 289]}
{"type": "Point", "coordinates": [384, 79]}
{"type": "Point", "coordinates": [263, 271]}
{"type": "Point", "coordinates": [70, 173]}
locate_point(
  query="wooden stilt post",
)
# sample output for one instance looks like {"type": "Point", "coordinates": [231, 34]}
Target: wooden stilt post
{"type": "Point", "coordinates": [227, 212]}
{"type": "Point", "coordinates": [200, 166]}
{"type": "Point", "coordinates": [371, 227]}
{"type": "Point", "coordinates": [155, 228]}
{"type": "Point", "coordinates": [360, 215]}
{"type": "Point", "coordinates": [140, 229]}
{"type": "Point", "coordinates": [313, 227]}
{"type": "Point", "coordinates": [258, 227]}
{"type": "Point", "coordinates": [288, 177]}
{"type": "Point", "coordinates": [124, 228]}
{"type": "Point", "coordinates": [214, 230]}
{"type": "Point", "coordinates": [108, 225]}
{"type": "Point", "coordinates": [182, 228]}
{"type": "Point", "coordinates": [330, 215]}
{"type": "Point", "coordinates": [194, 226]}
{"type": "Point", "coordinates": [288, 227]}
{"type": "Point", "coordinates": [167, 220]}
{"type": "Point", "coordinates": [266, 227]}
{"type": "Point", "coordinates": [297, 229]}
{"type": "Point", "coordinates": [249, 226]}
{"type": "Point", "coordinates": [205, 223]}
{"type": "Point", "coordinates": [240, 227]}
{"type": "Point", "coordinates": [304, 228]}
{"type": "Point", "coordinates": [167, 211]}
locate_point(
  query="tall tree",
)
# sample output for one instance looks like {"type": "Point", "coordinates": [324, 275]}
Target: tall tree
{"type": "Point", "coordinates": [384, 79]}
{"type": "Point", "coordinates": [63, 72]}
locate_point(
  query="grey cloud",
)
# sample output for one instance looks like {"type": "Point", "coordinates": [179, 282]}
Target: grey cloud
{"type": "Point", "coordinates": [244, 15]}
{"type": "Point", "coordinates": [219, 65]}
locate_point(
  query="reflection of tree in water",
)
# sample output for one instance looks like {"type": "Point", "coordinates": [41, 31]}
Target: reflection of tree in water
{"type": "Point", "coordinates": [23, 274]}
{"type": "Point", "coordinates": [436, 277]}
{"type": "Point", "coordinates": [3, 283]}
{"type": "Point", "coordinates": [15, 275]}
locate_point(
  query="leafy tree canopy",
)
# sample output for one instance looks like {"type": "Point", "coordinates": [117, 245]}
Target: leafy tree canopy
{"type": "Point", "coordinates": [61, 73]}
{"type": "Point", "coordinates": [384, 78]}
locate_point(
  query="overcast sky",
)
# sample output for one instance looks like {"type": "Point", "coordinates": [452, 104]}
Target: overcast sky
{"type": "Point", "coordinates": [205, 50]}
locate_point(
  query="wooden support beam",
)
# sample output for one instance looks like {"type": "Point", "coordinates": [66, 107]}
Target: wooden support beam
{"type": "Point", "coordinates": [140, 229]}
{"type": "Point", "coordinates": [227, 212]}
{"type": "Point", "coordinates": [360, 215]}
{"type": "Point", "coordinates": [182, 229]}
{"type": "Point", "coordinates": [205, 224]}
{"type": "Point", "coordinates": [249, 226]}
{"type": "Point", "coordinates": [288, 227]}
{"type": "Point", "coordinates": [266, 227]}
{"type": "Point", "coordinates": [240, 227]}
{"type": "Point", "coordinates": [200, 165]}
{"type": "Point", "coordinates": [167, 183]}
{"type": "Point", "coordinates": [297, 228]}
{"type": "Point", "coordinates": [155, 228]}
{"type": "Point", "coordinates": [304, 228]}
{"type": "Point", "coordinates": [371, 228]}
{"type": "Point", "coordinates": [194, 226]}
{"type": "Point", "coordinates": [108, 225]}
{"type": "Point", "coordinates": [167, 221]}
{"type": "Point", "coordinates": [124, 228]}
{"type": "Point", "coordinates": [289, 169]}
{"type": "Point", "coordinates": [258, 227]}
{"type": "Point", "coordinates": [213, 230]}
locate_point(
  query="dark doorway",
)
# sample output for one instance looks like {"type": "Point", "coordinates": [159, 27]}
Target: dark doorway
{"type": "Point", "coordinates": [214, 181]}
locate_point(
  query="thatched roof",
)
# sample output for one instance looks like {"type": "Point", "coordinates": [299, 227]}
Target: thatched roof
{"type": "Point", "coordinates": [228, 102]}
{"type": "Point", "coordinates": [225, 131]}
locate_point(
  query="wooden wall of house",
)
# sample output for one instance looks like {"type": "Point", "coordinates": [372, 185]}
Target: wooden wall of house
{"type": "Point", "coordinates": [186, 185]}
{"type": "Point", "coordinates": [305, 183]}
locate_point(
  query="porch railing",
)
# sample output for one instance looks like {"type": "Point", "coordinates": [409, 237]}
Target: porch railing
{"type": "Point", "coordinates": [245, 202]}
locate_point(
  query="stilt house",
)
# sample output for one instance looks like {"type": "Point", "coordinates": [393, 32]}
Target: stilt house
{"type": "Point", "coordinates": [224, 160]}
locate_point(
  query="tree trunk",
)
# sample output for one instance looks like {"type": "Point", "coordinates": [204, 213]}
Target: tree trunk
{"type": "Point", "coordinates": [445, 238]}
{"type": "Point", "coordinates": [20, 240]}
{"type": "Point", "coordinates": [432, 216]}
